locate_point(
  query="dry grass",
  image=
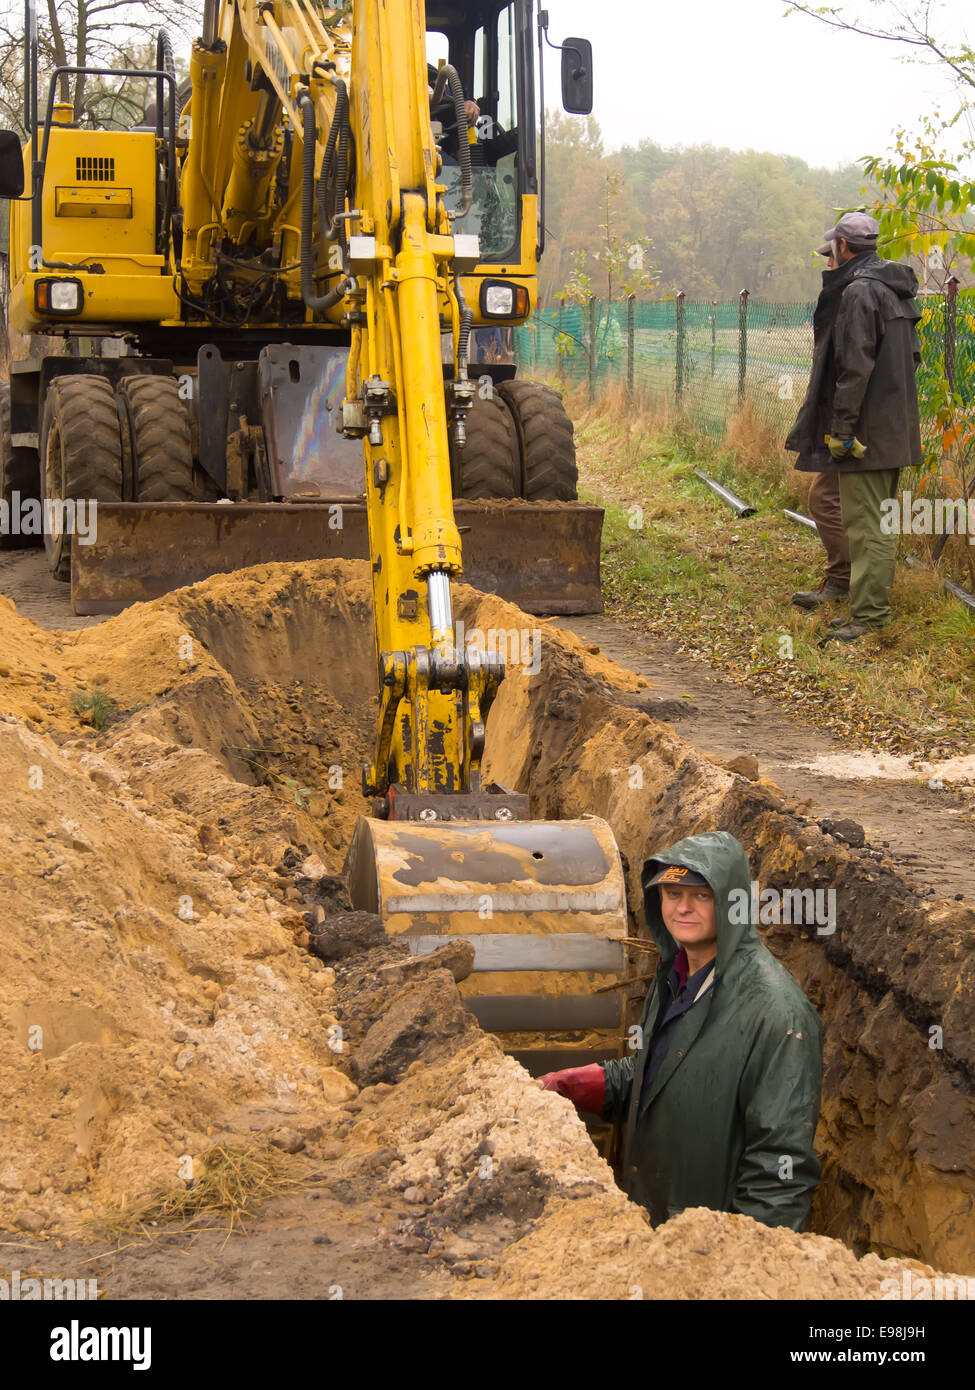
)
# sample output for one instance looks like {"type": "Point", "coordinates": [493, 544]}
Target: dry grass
{"type": "Point", "coordinates": [234, 1182]}
{"type": "Point", "coordinates": [754, 446]}
{"type": "Point", "coordinates": [677, 561]}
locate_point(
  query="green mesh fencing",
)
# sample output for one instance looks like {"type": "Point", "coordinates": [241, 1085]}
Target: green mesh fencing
{"type": "Point", "coordinates": [706, 359]}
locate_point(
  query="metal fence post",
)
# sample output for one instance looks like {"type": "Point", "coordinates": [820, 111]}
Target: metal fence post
{"type": "Point", "coordinates": [592, 348]}
{"type": "Point", "coordinates": [681, 343]}
{"type": "Point", "coordinates": [629, 347]}
{"type": "Point", "coordinates": [714, 334]}
{"type": "Point", "coordinates": [742, 342]}
{"type": "Point", "coordinates": [951, 328]}
{"type": "Point", "coordinates": [559, 341]}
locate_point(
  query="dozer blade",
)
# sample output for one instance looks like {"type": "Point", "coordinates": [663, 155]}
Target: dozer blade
{"type": "Point", "coordinates": [542, 902]}
{"type": "Point", "coordinates": [542, 556]}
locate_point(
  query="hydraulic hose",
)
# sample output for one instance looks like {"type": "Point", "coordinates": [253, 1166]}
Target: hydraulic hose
{"type": "Point", "coordinates": [464, 337]}
{"type": "Point", "coordinates": [447, 77]}
{"type": "Point", "coordinates": [166, 63]}
{"type": "Point", "coordinates": [335, 165]}
{"type": "Point", "coordinates": [313, 301]}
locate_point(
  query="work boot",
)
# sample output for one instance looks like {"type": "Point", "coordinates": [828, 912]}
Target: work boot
{"type": "Point", "coordinates": [848, 632]}
{"type": "Point", "coordinates": [827, 592]}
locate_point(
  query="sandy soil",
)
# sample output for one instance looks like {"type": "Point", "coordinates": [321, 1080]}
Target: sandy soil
{"type": "Point", "coordinates": [164, 878]}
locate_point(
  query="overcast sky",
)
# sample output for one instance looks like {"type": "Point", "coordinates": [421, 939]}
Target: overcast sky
{"type": "Point", "coordinates": [736, 73]}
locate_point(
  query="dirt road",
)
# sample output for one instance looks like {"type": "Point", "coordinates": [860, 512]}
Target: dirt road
{"type": "Point", "coordinates": [927, 832]}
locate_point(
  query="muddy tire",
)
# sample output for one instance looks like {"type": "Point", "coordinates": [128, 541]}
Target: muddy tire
{"type": "Point", "coordinates": [81, 453]}
{"type": "Point", "coordinates": [159, 433]}
{"type": "Point", "coordinates": [488, 465]}
{"type": "Point", "coordinates": [548, 454]}
{"type": "Point", "coordinates": [18, 474]}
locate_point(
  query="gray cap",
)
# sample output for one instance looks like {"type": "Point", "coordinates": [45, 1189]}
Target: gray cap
{"type": "Point", "coordinates": [858, 228]}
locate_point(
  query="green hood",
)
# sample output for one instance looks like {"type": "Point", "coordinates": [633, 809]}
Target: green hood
{"type": "Point", "coordinates": [718, 857]}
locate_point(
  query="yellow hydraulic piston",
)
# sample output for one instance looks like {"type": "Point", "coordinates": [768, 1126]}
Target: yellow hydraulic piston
{"type": "Point", "coordinates": [247, 199]}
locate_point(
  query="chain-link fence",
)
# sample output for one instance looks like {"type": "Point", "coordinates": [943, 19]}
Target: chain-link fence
{"type": "Point", "coordinates": [704, 359]}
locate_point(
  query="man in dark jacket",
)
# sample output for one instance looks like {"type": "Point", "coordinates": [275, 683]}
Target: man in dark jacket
{"type": "Point", "coordinates": [860, 414]}
{"type": "Point", "coordinates": [825, 510]}
{"type": "Point", "coordinates": [720, 1099]}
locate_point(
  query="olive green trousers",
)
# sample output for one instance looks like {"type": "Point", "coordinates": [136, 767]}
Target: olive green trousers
{"type": "Point", "coordinates": [871, 552]}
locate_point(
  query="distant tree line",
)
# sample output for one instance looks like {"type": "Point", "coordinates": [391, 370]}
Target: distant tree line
{"type": "Point", "coordinates": [718, 220]}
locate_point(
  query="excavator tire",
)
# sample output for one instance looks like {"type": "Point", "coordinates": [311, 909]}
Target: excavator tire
{"type": "Point", "coordinates": [18, 473]}
{"type": "Point", "coordinates": [488, 464]}
{"type": "Point", "coordinates": [81, 453]}
{"type": "Point", "coordinates": [160, 436]}
{"type": "Point", "coordinates": [548, 455]}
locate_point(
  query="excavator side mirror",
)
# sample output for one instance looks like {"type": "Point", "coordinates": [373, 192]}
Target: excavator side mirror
{"type": "Point", "coordinates": [11, 165]}
{"type": "Point", "coordinates": [577, 76]}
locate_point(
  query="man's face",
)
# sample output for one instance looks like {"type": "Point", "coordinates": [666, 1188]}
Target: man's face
{"type": "Point", "coordinates": [689, 915]}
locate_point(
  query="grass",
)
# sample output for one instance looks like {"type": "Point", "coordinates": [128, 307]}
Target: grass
{"type": "Point", "coordinates": [685, 567]}
{"type": "Point", "coordinates": [256, 757]}
{"type": "Point", "coordinates": [234, 1182]}
{"type": "Point", "coordinates": [95, 707]}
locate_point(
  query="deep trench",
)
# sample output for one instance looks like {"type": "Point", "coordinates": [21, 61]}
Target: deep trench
{"type": "Point", "coordinates": [896, 1128]}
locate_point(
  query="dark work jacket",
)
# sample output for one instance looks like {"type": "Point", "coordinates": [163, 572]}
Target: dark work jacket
{"type": "Point", "coordinates": [728, 1120]}
{"type": "Point", "coordinates": [865, 353]}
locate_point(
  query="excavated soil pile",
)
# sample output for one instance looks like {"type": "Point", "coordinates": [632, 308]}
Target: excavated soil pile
{"type": "Point", "coordinates": [165, 875]}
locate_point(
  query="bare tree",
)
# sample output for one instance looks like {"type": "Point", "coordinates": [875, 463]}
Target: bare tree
{"type": "Point", "coordinates": [910, 25]}
{"type": "Point", "coordinates": [88, 33]}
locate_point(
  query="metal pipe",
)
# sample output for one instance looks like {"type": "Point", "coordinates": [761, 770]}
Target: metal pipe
{"type": "Point", "coordinates": [802, 520]}
{"type": "Point", "coordinates": [958, 592]}
{"type": "Point", "coordinates": [735, 503]}
{"type": "Point", "coordinates": [949, 585]}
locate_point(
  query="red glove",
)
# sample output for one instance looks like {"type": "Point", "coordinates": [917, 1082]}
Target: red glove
{"type": "Point", "coordinates": [584, 1086]}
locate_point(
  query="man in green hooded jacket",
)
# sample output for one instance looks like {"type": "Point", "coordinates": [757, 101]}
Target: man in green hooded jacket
{"type": "Point", "coordinates": [721, 1097]}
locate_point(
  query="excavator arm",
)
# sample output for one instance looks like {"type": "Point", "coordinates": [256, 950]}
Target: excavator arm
{"type": "Point", "coordinates": [441, 854]}
{"type": "Point", "coordinates": [373, 249]}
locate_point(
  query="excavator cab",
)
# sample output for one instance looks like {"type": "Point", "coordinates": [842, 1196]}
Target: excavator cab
{"type": "Point", "coordinates": [490, 48]}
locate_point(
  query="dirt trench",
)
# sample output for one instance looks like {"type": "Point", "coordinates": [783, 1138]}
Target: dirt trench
{"type": "Point", "coordinates": [162, 874]}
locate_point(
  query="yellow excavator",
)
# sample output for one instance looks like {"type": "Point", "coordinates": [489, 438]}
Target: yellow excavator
{"type": "Point", "coordinates": [278, 283]}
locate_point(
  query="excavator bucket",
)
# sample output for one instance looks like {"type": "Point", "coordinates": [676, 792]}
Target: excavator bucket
{"type": "Point", "coordinates": [542, 902]}
{"type": "Point", "coordinates": [542, 556]}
